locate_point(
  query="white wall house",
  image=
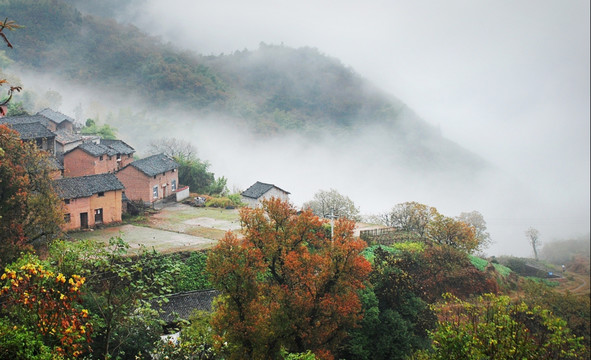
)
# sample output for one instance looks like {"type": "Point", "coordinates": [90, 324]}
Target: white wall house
{"type": "Point", "coordinates": [254, 195]}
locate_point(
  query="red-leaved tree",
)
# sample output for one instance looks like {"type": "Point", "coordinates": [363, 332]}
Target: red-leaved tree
{"type": "Point", "coordinates": [285, 284]}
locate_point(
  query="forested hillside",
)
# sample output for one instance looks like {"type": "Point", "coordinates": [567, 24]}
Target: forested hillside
{"type": "Point", "coordinates": [273, 89]}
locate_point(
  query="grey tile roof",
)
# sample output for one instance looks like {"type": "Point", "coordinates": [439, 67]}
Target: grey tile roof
{"type": "Point", "coordinates": [155, 164]}
{"type": "Point", "coordinates": [85, 186]}
{"type": "Point", "coordinates": [67, 137]}
{"type": "Point", "coordinates": [182, 305]}
{"type": "Point", "coordinates": [55, 116]}
{"type": "Point", "coordinates": [34, 130]}
{"type": "Point", "coordinates": [55, 163]}
{"type": "Point", "coordinates": [28, 119]}
{"type": "Point", "coordinates": [259, 189]}
{"type": "Point", "coordinates": [119, 146]}
{"type": "Point", "coordinates": [95, 149]}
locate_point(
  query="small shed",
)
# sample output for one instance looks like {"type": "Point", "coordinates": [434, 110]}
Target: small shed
{"type": "Point", "coordinates": [254, 195]}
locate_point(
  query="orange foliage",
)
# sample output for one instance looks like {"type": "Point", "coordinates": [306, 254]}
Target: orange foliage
{"type": "Point", "coordinates": [285, 284]}
{"type": "Point", "coordinates": [40, 298]}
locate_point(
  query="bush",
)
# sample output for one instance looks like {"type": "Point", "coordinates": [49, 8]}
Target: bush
{"type": "Point", "coordinates": [219, 202]}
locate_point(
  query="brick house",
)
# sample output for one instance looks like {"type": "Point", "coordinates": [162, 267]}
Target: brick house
{"type": "Point", "coordinates": [61, 121]}
{"type": "Point", "coordinates": [90, 200]}
{"type": "Point", "coordinates": [254, 195]}
{"type": "Point", "coordinates": [90, 158]}
{"type": "Point", "coordinates": [150, 179]}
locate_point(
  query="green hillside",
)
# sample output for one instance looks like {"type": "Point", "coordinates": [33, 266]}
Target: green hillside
{"type": "Point", "coordinates": [273, 89]}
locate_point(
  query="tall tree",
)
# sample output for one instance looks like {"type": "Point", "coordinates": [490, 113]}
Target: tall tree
{"type": "Point", "coordinates": [331, 203]}
{"type": "Point", "coordinates": [411, 217]}
{"type": "Point", "coordinates": [533, 236]}
{"type": "Point", "coordinates": [286, 285]}
{"type": "Point", "coordinates": [476, 220]}
{"type": "Point", "coordinates": [448, 231]}
{"type": "Point", "coordinates": [30, 210]}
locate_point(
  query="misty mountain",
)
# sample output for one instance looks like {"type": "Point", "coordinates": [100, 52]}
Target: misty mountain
{"type": "Point", "coordinates": [272, 90]}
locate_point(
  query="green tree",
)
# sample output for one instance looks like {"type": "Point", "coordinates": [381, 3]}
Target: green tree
{"type": "Point", "coordinates": [104, 131]}
{"type": "Point", "coordinates": [494, 328]}
{"type": "Point", "coordinates": [396, 320]}
{"type": "Point", "coordinates": [448, 231]}
{"type": "Point", "coordinates": [120, 288]}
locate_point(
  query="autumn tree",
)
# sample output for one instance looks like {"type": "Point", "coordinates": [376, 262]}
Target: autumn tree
{"type": "Point", "coordinates": [30, 210]}
{"type": "Point", "coordinates": [41, 314]}
{"type": "Point", "coordinates": [533, 236]}
{"type": "Point", "coordinates": [285, 285]}
{"type": "Point", "coordinates": [331, 203]}
{"type": "Point", "coordinates": [448, 231]}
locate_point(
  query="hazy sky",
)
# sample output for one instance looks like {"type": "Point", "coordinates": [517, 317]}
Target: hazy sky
{"type": "Point", "coordinates": [508, 80]}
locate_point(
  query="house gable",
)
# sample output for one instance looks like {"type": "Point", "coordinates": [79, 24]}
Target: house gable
{"type": "Point", "coordinates": [255, 194]}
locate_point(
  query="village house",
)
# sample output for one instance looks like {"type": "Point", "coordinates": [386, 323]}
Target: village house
{"type": "Point", "coordinates": [150, 179]}
{"type": "Point", "coordinates": [254, 195]}
{"type": "Point", "coordinates": [35, 133]}
{"type": "Point", "coordinates": [66, 140]}
{"type": "Point", "coordinates": [62, 122]}
{"type": "Point", "coordinates": [89, 158]}
{"type": "Point", "coordinates": [90, 200]}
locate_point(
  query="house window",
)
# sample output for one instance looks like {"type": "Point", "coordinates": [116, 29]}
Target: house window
{"type": "Point", "coordinates": [67, 218]}
{"type": "Point", "coordinates": [118, 156]}
{"type": "Point", "coordinates": [101, 158]}
{"type": "Point", "coordinates": [67, 201]}
{"type": "Point", "coordinates": [173, 185]}
{"type": "Point", "coordinates": [155, 192]}
{"type": "Point", "coordinates": [101, 194]}
{"type": "Point", "coordinates": [110, 157]}
{"type": "Point", "coordinates": [154, 176]}
{"type": "Point", "coordinates": [129, 156]}
{"type": "Point", "coordinates": [98, 216]}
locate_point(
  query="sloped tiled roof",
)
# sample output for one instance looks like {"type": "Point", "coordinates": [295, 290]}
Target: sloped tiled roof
{"type": "Point", "coordinates": [28, 119]}
{"type": "Point", "coordinates": [259, 189]}
{"type": "Point", "coordinates": [155, 164]}
{"type": "Point", "coordinates": [34, 130]}
{"type": "Point", "coordinates": [119, 146]}
{"type": "Point", "coordinates": [55, 163]}
{"type": "Point", "coordinates": [182, 305]}
{"type": "Point", "coordinates": [55, 116]}
{"type": "Point", "coordinates": [67, 137]}
{"type": "Point", "coordinates": [95, 149]}
{"type": "Point", "coordinates": [85, 186]}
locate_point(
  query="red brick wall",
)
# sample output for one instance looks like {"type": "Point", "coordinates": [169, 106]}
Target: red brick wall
{"type": "Point", "coordinates": [80, 163]}
{"type": "Point", "coordinates": [110, 204]}
{"type": "Point", "coordinates": [139, 186]}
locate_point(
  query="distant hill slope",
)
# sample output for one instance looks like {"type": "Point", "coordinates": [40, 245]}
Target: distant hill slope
{"type": "Point", "coordinates": [273, 89]}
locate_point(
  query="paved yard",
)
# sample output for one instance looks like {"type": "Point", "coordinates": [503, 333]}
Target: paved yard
{"type": "Point", "coordinates": [175, 228]}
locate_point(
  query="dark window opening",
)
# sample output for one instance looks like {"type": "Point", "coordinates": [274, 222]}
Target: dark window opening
{"type": "Point", "coordinates": [102, 193]}
{"type": "Point", "coordinates": [98, 216]}
{"type": "Point", "coordinates": [67, 201]}
{"type": "Point", "coordinates": [101, 158]}
{"type": "Point", "coordinates": [67, 218]}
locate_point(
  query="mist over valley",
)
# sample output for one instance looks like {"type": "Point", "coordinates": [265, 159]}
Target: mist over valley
{"type": "Point", "coordinates": [305, 121]}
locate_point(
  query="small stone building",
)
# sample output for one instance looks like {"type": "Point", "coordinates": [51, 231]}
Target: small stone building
{"type": "Point", "coordinates": [90, 200]}
{"type": "Point", "coordinates": [254, 195]}
{"type": "Point", "coordinates": [150, 179]}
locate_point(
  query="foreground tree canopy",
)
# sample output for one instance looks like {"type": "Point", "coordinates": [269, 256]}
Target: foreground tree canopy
{"type": "Point", "coordinates": [286, 284]}
{"type": "Point", "coordinates": [30, 210]}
